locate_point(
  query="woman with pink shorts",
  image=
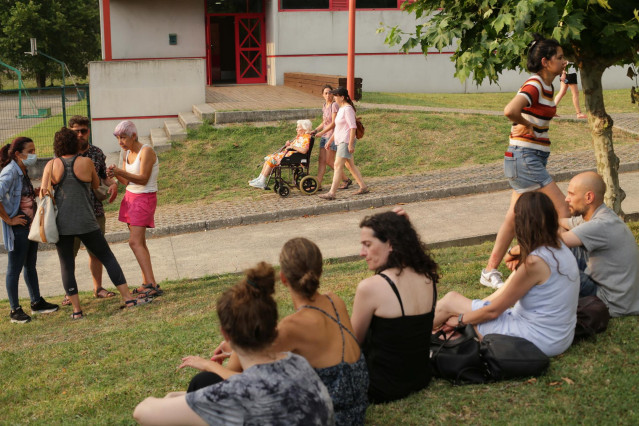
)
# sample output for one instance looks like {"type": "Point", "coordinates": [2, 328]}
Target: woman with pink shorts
{"type": "Point", "coordinates": [139, 173]}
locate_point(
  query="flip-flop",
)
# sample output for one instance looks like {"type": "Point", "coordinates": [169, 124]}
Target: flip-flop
{"type": "Point", "coordinates": [103, 293]}
{"type": "Point", "coordinates": [345, 184]}
{"type": "Point", "coordinates": [327, 196]}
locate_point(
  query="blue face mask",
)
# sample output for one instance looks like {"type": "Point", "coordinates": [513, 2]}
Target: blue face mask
{"type": "Point", "coordinates": [30, 160]}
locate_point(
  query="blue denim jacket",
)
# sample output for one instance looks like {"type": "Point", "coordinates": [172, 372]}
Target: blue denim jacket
{"type": "Point", "coordinates": [10, 194]}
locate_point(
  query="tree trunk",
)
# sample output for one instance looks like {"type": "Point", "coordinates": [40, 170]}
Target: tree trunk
{"type": "Point", "coordinates": [601, 128]}
{"type": "Point", "coordinates": [41, 79]}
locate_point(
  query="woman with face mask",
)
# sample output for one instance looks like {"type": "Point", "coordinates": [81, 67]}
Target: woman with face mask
{"type": "Point", "coordinates": [17, 208]}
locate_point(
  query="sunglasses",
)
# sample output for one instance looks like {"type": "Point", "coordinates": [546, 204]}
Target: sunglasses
{"type": "Point", "coordinates": [81, 131]}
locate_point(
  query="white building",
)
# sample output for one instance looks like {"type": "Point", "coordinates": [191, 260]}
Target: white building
{"type": "Point", "coordinates": [158, 55]}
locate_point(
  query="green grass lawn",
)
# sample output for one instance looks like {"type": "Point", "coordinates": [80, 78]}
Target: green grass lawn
{"type": "Point", "coordinates": [616, 101]}
{"type": "Point", "coordinates": [95, 371]}
{"type": "Point", "coordinates": [215, 164]}
{"type": "Point", "coordinates": [42, 133]}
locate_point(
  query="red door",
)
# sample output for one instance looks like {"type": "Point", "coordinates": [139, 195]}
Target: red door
{"type": "Point", "coordinates": [250, 49]}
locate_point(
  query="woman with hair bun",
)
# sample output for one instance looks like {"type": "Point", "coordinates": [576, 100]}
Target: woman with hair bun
{"type": "Point", "coordinates": [331, 348]}
{"type": "Point", "coordinates": [530, 111]}
{"type": "Point", "coordinates": [17, 208]}
{"type": "Point", "coordinates": [393, 310]}
{"type": "Point", "coordinates": [273, 388]}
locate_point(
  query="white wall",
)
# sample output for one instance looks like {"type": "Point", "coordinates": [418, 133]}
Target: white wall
{"type": "Point", "coordinates": [145, 88]}
{"type": "Point", "coordinates": [141, 28]}
{"type": "Point", "coordinates": [317, 33]}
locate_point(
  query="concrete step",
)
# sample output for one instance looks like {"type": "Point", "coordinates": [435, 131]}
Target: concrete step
{"type": "Point", "coordinates": [205, 112]}
{"type": "Point", "coordinates": [159, 140]}
{"type": "Point", "coordinates": [174, 130]}
{"type": "Point", "coordinates": [189, 120]}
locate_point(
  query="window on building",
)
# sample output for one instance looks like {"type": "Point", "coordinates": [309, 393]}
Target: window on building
{"type": "Point", "coordinates": [376, 4]}
{"type": "Point", "coordinates": [305, 4]}
{"type": "Point", "coordinates": [235, 6]}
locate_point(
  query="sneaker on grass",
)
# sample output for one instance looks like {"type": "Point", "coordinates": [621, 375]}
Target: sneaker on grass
{"type": "Point", "coordinates": [18, 316]}
{"type": "Point", "coordinates": [43, 307]}
{"type": "Point", "coordinates": [492, 278]}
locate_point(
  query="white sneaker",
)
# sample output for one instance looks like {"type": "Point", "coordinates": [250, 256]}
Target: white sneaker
{"type": "Point", "coordinates": [254, 180]}
{"type": "Point", "coordinates": [258, 184]}
{"type": "Point", "coordinates": [492, 279]}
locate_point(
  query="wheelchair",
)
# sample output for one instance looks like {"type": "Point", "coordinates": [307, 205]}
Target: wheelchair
{"type": "Point", "coordinates": [298, 176]}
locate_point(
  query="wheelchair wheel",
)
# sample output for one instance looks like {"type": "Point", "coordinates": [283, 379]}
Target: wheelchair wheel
{"type": "Point", "coordinates": [276, 187]}
{"type": "Point", "coordinates": [298, 178]}
{"type": "Point", "coordinates": [308, 185]}
{"type": "Point", "coordinates": [283, 191]}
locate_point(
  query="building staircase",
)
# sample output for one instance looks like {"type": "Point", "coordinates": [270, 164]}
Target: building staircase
{"type": "Point", "coordinates": [175, 129]}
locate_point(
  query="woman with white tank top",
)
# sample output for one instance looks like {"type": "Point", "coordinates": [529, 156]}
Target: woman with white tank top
{"type": "Point", "coordinates": [139, 173]}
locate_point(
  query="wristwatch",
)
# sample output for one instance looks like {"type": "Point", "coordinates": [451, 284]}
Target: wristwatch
{"type": "Point", "coordinates": [460, 320]}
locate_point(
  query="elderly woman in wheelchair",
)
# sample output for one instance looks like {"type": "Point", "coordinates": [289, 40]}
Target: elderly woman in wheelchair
{"type": "Point", "coordinates": [299, 144]}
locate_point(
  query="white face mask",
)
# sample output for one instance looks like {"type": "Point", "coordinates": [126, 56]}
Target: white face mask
{"type": "Point", "coordinates": [30, 160]}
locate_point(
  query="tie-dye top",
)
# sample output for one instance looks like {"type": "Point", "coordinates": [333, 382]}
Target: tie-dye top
{"type": "Point", "coordinates": [284, 392]}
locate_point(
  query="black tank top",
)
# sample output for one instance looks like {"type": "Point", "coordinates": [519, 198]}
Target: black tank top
{"type": "Point", "coordinates": [397, 352]}
{"type": "Point", "coordinates": [75, 206]}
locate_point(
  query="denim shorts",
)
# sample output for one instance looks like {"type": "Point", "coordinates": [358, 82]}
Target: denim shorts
{"type": "Point", "coordinates": [342, 150]}
{"type": "Point", "coordinates": [323, 141]}
{"type": "Point", "coordinates": [525, 168]}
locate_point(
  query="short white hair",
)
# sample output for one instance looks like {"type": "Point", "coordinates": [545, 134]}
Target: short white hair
{"type": "Point", "coordinates": [126, 128]}
{"type": "Point", "coordinates": [305, 124]}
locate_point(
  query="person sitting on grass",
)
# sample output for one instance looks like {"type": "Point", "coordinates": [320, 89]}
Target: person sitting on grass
{"type": "Point", "coordinates": [274, 387]}
{"type": "Point", "coordinates": [393, 310]}
{"type": "Point", "coordinates": [331, 349]}
{"type": "Point", "coordinates": [300, 144]}
{"type": "Point", "coordinates": [544, 288]}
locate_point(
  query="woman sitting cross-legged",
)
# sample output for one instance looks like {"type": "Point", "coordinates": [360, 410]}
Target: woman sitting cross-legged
{"type": "Point", "coordinates": [393, 310]}
{"type": "Point", "coordinates": [274, 387]}
{"type": "Point", "coordinates": [300, 144]}
{"type": "Point", "coordinates": [544, 288]}
{"type": "Point", "coordinates": [331, 347]}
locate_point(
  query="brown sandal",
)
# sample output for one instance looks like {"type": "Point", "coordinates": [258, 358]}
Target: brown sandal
{"type": "Point", "coordinates": [345, 184]}
{"type": "Point", "coordinates": [66, 301]}
{"type": "Point", "coordinates": [103, 293]}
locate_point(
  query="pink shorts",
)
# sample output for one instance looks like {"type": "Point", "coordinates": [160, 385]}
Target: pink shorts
{"type": "Point", "coordinates": [138, 209]}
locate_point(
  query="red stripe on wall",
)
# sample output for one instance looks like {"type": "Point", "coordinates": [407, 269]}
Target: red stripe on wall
{"type": "Point", "coordinates": [106, 15]}
{"type": "Point", "coordinates": [357, 54]}
{"type": "Point", "coordinates": [159, 59]}
{"type": "Point", "coordinates": [141, 117]}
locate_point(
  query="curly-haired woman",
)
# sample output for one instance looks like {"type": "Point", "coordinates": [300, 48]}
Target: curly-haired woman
{"type": "Point", "coordinates": [393, 310]}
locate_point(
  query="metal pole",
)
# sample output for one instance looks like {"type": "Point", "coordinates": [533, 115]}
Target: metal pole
{"type": "Point", "coordinates": [64, 106]}
{"type": "Point", "coordinates": [20, 88]}
{"type": "Point", "coordinates": [350, 72]}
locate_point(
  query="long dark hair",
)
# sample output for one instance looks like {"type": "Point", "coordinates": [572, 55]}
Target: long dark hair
{"type": "Point", "coordinates": [248, 312]}
{"type": "Point", "coordinates": [536, 223]}
{"type": "Point", "coordinates": [538, 49]}
{"type": "Point", "coordinates": [8, 152]}
{"type": "Point", "coordinates": [408, 248]}
{"type": "Point", "coordinates": [341, 91]}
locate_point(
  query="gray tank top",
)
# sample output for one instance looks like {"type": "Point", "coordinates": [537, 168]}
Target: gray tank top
{"type": "Point", "coordinates": [75, 207]}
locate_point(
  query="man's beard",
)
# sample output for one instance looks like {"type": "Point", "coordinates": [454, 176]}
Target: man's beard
{"type": "Point", "coordinates": [84, 145]}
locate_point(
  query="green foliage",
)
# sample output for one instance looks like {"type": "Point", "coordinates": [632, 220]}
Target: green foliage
{"type": "Point", "coordinates": [68, 30]}
{"type": "Point", "coordinates": [491, 36]}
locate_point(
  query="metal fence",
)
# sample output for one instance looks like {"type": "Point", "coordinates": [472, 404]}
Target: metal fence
{"type": "Point", "coordinates": [39, 113]}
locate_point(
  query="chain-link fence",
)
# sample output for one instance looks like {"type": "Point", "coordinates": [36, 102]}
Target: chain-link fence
{"type": "Point", "coordinates": [39, 113]}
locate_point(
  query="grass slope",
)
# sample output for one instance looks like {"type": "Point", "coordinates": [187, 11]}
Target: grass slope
{"type": "Point", "coordinates": [95, 371]}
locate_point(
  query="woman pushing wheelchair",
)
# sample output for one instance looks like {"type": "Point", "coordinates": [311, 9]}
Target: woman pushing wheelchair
{"type": "Point", "coordinates": [300, 144]}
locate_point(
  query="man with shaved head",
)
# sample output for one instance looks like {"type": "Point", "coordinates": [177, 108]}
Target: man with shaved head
{"type": "Point", "coordinates": [605, 249]}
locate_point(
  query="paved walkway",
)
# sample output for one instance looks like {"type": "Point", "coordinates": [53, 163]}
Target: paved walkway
{"type": "Point", "coordinates": [241, 232]}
